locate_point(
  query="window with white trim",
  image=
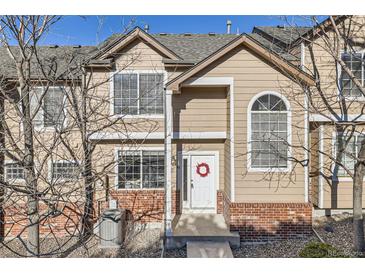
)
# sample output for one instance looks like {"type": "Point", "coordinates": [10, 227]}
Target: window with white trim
{"type": "Point", "coordinates": [349, 152]}
{"type": "Point", "coordinates": [14, 171]}
{"type": "Point", "coordinates": [141, 169]}
{"type": "Point", "coordinates": [355, 62]}
{"type": "Point", "coordinates": [51, 113]}
{"type": "Point", "coordinates": [138, 93]}
{"type": "Point", "coordinates": [65, 170]}
{"type": "Point", "coordinates": [269, 133]}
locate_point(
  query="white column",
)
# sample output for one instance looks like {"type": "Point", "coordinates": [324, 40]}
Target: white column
{"type": "Point", "coordinates": [168, 151]}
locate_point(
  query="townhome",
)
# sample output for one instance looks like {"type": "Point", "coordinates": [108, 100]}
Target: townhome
{"type": "Point", "coordinates": [213, 127]}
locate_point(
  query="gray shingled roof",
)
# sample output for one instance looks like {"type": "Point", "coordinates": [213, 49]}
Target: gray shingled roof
{"type": "Point", "coordinates": [194, 47]}
{"type": "Point", "coordinates": [189, 47]}
{"type": "Point", "coordinates": [274, 47]}
{"type": "Point", "coordinates": [55, 60]}
{"type": "Point", "coordinates": [284, 34]}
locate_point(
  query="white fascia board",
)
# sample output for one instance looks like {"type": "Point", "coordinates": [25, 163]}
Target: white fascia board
{"type": "Point", "coordinates": [125, 136]}
{"type": "Point", "coordinates": [200, 135]}
{"type": "Point", "coordinates": [157, 135]}
{"type": "Point", "coordinates": [209, 81]}
{"type": "Point", "coordinates": [330, 118]}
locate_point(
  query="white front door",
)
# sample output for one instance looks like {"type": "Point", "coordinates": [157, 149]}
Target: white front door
{"type": "Point", "coordinates": [202, 188]}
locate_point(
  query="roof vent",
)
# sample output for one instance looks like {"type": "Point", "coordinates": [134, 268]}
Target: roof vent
{"type": "Point", "coordinates": [163, 33]}
{"type": "Point", "coordinates": [229, 25]}
{"type": "Point", "coordinates": [211, 34]}
{"type": "Point", "coordinates": [53, 46]}
{"type": "Point", "coordinates": [147, 28]}
{"type": "Point", "coordinates": [187, 34]}
{"type": "Point", "coordinates": [76, 46]}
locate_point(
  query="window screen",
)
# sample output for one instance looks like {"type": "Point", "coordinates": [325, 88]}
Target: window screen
{"type": "Point", "coordinates": [14, 171]}
{"type": "Point", "coordinates": [138, 93]}
{"type": "Point", "coordinates": [141, 169]}
{"type": "Point", "coordinates": [53, 107]}
{"type": "Point", "coordinates": [269, 133]}
{"type": "Point", "coordinates": [65, 170]}
{"type": "Point", "coordinates": [349, 152]}
{"type": "Point", "coordinates": [355, 63]}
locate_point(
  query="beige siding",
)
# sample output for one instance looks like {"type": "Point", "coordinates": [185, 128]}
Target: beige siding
{"type": "Point", "coordinates": [200, 109]}
{"type": "Point", "coordinates": [252, 76]}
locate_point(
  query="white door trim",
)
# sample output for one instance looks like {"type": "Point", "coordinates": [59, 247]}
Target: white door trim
{"type": "Point", "coordinates": [188, 154]}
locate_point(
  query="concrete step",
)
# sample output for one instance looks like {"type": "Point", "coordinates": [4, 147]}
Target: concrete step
{"type": "Point", "coordinates": [208, 249]}
{"type": "Point", "coordinates": [178, 241]}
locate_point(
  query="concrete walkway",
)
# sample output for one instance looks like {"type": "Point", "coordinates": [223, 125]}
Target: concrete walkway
{"type": "Point", "coordinates": [208, 250]}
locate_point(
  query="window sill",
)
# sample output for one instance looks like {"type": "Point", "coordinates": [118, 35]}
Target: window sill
{"type": "Point", "coordinates": [261, 170]}
{"type": "Point", "coordinates": [139, 189]}
{"type": "Point", "coordinates": [142, 116]}
{"type": "Point", "coordinates": [45, 129]}
{"type": "Point", "coordinates": [352, 98]}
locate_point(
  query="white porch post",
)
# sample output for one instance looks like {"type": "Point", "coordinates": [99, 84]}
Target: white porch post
{"type": "Point", "coordinates": [168, 151]}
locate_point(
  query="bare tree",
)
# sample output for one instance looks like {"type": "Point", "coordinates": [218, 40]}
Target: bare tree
{"type": "Point", "coordinates": [26, 33]}
{"type": "Point", "coordinates": [75, 86]}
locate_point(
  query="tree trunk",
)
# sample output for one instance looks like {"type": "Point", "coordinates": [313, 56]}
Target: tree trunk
{"type": "Point", "coordinates": [358, 222]}
{"type": "Point", "coordinates": [87, 220]}
{"type": "Point", "coordinates": [29, 174]}
{"type": "Point", "coordinates": [2, 164]}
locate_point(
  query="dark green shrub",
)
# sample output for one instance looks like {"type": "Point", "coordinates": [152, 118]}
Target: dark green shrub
{"type": "Point", "coordinates": [320, 250]}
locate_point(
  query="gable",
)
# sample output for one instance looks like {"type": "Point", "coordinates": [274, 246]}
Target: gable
{"type": "Point", "coordinates": [138, 55]}
{"type": "Point", "coordinates": [121, 42]}
{"type": "Point", "coordinates": [262, 54]}
{"type": "Point", "coordinates": [247, 68]}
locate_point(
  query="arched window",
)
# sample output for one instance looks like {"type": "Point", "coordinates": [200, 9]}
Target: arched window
{"type": "Point", "coordinates": [268, 138]}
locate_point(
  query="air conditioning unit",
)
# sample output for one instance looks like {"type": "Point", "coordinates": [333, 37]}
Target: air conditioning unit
{"type": "Point", "coordinates": [112, 228]}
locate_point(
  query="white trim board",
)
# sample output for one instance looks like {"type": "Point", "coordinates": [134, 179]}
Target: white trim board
{"type": "Point", "coordinates": [136, 149]}
{"type": "Point", "coordinates": [158, 135]}
{"type": "Point", "coordinates": [138, 72]}
{"type": "Point", "coordinates": [228, 82]}
{"type": "Point", "coordinates": [289, 139]}
{"type": "Point", "coordinates": [330, 118]}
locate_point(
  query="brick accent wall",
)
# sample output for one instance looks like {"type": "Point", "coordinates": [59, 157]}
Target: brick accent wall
{"type": "Point", "coordinates": [63, 221]}
{"type": "Point", "coordinates": [142, 205]}
{"type": "Point", "coordinates": [255, 222]}
{"type": "Point", "coordinates": [258, 222]}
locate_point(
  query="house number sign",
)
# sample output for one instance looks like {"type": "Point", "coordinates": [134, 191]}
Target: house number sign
{"type": "Point", "coordinates": [203, 169]}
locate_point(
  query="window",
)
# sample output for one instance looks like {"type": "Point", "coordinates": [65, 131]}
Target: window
{"type": "Point", "coordinates": [14, 171]}
{"type": "Point", "coordinates": [269, 133]}
{"type": "Point", "coordinates": [350, 152]}
{"type": "Point", "coordinates": [53, 107]}
{"type": "Point", "coordinates": [51, 113]}
{"type": "Point", "coordinates": [138, 93]}
{"type": "Point", "coordinates": [141, 169]}
{"type": "Point", "coordinates": [355, 62]}
{"type": "Point", "coordinates": [65, 171]}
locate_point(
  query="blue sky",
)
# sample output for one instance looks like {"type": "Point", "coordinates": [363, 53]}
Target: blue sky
{"type": "Point", "coordinates": [90, 30]}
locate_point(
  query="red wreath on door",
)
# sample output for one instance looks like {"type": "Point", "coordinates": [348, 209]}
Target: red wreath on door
{"type": "Point", "coordinates": [201, 167]}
